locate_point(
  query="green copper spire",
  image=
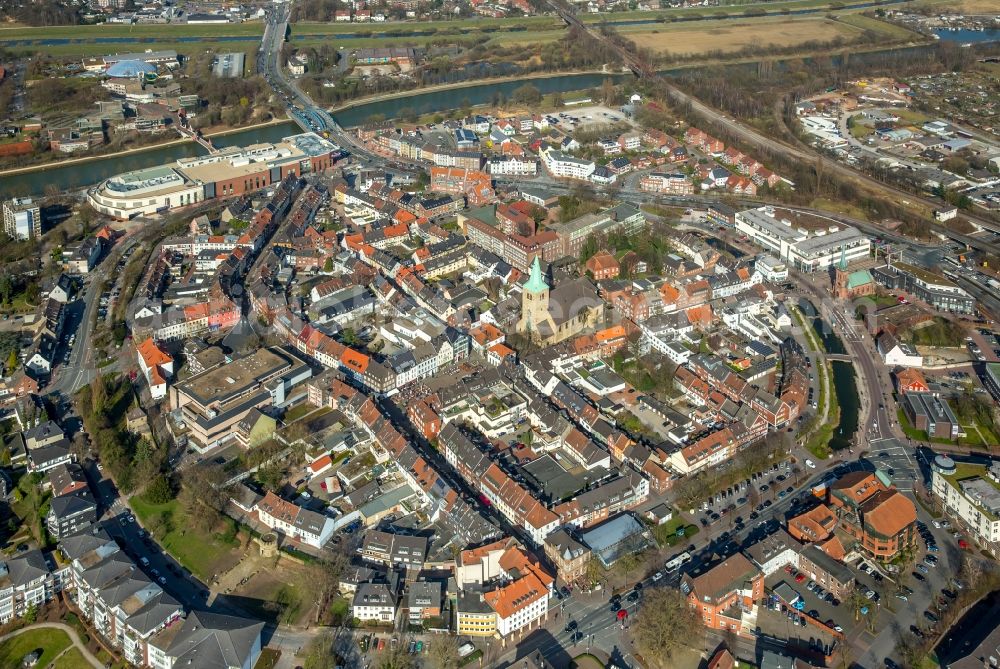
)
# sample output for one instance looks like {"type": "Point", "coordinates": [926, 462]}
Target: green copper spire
{"type": "Point", "coordinates": [843, 257]}
{"type": "Point", "coordinates": [536, 284]}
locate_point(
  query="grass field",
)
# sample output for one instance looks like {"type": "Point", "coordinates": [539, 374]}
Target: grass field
{"type": "Point", "coordinates": [84, 49]}
{"type": "Point", "coordinates": [50, 642]}
{"type": "Point", "coordinates": [733, 36]}
{"type": "Point", "coordinates": [868, 23]}
{"type": "Point", "coordinates": [501, 37]}
{"type": "Point", "coordinates": [204, 554]}
{"type": "Point", "coordinates": [965, 6]}
{"type": "Point", "coordinates": [734, 10]}
{"type": "Point", "coordinates": [72, 659]}
{"type": "Point", "coordinates": [165, 31]}
{"type": "Point", "coordinates": [470, 25]}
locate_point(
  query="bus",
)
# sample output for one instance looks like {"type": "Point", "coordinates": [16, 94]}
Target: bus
{"type": "Point", "coordinates": [676, 562]}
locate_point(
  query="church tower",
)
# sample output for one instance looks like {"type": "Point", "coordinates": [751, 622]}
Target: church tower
{"type": "Point", "coordinates": [841, 277]}
{"type": "Point", "coordinates": [534, 300]}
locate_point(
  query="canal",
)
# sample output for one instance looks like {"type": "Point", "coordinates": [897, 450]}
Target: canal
{"type": "Point", "coordinates": [844, 386]}
{"type": "Point", "coordinates": [847, 397]}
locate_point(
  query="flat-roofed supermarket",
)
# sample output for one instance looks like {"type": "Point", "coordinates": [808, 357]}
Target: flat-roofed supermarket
{"type": "Point", "coordinates": [228, 172]}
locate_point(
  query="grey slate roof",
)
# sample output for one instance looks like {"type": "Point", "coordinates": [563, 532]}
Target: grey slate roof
{"type": "Point", "coordinates": [211, 641]}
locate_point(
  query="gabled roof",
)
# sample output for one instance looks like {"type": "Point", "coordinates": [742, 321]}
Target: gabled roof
{"type": "Point", "coordinates": [731, 574]}
{"type": "Point", "coordinates": [210, 641]}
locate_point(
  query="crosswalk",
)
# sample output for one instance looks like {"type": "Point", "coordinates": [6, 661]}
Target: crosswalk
{"type": "Point", "coordinates": [893, 457]}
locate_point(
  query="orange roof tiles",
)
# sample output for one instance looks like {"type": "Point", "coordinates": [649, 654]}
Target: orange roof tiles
{"type": "Point", "coordinates": [613, 332]}
{"type": "Point", "coordinates": [354, 360]}
{"type": "Point", "coordinates": [476, 555]}
{"type": "Point", "coordinates": [520, 594]}
{"type": "Point", "coordinates": [485, 333]}
{"type": "Point", "coordinates": [701, 314]}
{"type": "Point", "coordinates": [502, 350]}
{"type": "Point", "coordinates": [816, 524]}
{"type": "Point", "coordinates": [195, 312]}
{"type": "Point", "coordinates": [911, 377]}
{"type": "Point", "coordinates": [518, 562]}
{"type": "Point", "coordinates": [403, 216]}
{"type": "Point", "coordinates": [669, 293]}
{"type": "Point", "coordinates": [889, 512]}
{"type": "Point", "coordinates": [320, 464]}
{"type": "Point", "coordinates": [833, 547]}
{"type": "Point", "coordinates": [152, 355]}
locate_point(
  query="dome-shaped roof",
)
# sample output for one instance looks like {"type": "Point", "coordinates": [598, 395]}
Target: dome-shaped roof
{"type": "Point", "coordinates": [130, 68]}
{"type": "Point", "coordinates": [943, 464]}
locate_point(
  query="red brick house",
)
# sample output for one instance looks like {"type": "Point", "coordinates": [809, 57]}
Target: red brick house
{"type": "Point", "coordinates": [726, 593]}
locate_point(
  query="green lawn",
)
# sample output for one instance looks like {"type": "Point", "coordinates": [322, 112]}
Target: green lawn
{"type": "Point", "coordinates": [868, 23]}
{"type": "Point", "coordinates": [85, 49]}
{"type": "Point", "coordinates": [735, 10]}
{"type": "Point", "coordinates": [470, 25]}
{"type": "Point", "coordinates": [666, 534]}
{"type": "Point", "coordinates": [586, 661]}
{"type": "Point", "coordinates": [268, 658]}
{"type": "Point", "coordinates": [50, 642]}
{"type": "Point", "coordinates": [911, 116]}
{"type": "Point", "coordinates": [199, 552]}
{"type": "Point", "coordinates": [72, 659]}
{"type": "Point", "coordinates": [299, 411]}
{"type": "Point", "coordinates": [155, 31]}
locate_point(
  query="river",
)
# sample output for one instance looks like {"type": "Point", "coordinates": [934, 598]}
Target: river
{"type": "Point", "coordinates": [964, 36]}
{"type": "Point", "coordinates": [69, 177]}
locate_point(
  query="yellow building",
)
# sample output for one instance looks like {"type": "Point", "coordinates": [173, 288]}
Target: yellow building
{"type": "Point", "coordinates": [474, 616]}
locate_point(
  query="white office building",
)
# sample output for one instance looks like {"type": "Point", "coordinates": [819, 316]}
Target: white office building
{"type": "Point", "coordinates": [805, 241]}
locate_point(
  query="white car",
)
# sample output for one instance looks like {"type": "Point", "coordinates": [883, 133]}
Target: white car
{"type": "Point", "coordinates": [810, 464]}
{"type": "Point", "coordinates": [657, 576]}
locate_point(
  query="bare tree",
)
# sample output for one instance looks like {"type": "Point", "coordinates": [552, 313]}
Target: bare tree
{"type": "Point", "coordinates": [665, 623]}
{"type": "Point", "coordinates": [443, 653]}
{"type": "Point", "coordinates": [395, 658]}
{"type": "Point", "coordinates": [319, 652]}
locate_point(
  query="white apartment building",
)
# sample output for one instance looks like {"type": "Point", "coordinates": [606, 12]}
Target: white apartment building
{"type": "Point", "coordinates": [519, 605]}
{"type": "Point", "coordinates": [121, 603]}
{"type": "Point", "coordinates": [25, 581]}
{"type": "Point", "coordinates": [771, 269]}
{"type": "Point", "coordinates": [374, 601]}
{"type": "Point", "coordinates": [974, 500]}
{"type": "Point", "coordinates": [513, 166]}
{"type": "Point", "coordinates": [22, 218]}
{"type": "Point", "coordinates": [295, 522]}
{"type": "Point", "coordinates": [564, 166]}
{"type": "Point", "coordinates": [207, 640]}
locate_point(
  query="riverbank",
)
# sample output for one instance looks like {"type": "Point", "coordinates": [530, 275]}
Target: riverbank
{"type": "Point", "coordinates": [438, 88]}
{"type": "Point", "coordinates": [442, 98]}
{"type": "Point", "coordinates": [139, 149]}
{"type": "Point", "coordinates": [416, 93]}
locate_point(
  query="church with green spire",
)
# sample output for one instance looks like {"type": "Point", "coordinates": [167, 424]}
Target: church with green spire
{"type": "Point", "coordinates": [848, 285]}
{"type": "Point", "coordinates": [550, 315]}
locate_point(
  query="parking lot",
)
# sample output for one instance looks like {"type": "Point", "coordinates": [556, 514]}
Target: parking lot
{"type": "Point", "coordinates": [580, 118]}
{"type": "Point", "coordinates": [743, 502]}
